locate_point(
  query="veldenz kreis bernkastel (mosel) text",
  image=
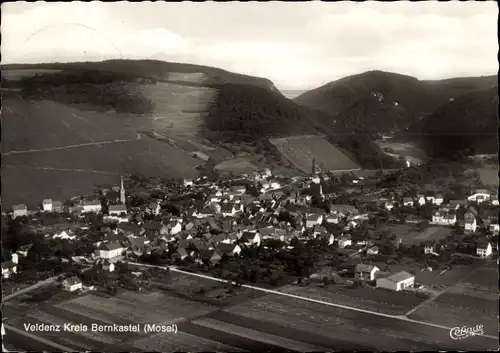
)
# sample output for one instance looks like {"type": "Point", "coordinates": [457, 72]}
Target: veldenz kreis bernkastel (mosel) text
{"type": "Point", "coordinates": [146, 328]}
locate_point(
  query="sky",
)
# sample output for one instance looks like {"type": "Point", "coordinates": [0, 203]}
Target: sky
{"type": "Point", "coordinates": [296, 45]}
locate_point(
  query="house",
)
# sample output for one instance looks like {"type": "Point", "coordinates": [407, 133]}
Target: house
{"type": "Point", "coordinates": [228, 249]}
{"type": "Point", "coordinates": [23, 249]}
{"type": "Point", "coordinates": [483, 249]}
{"type": "Point", "coordinates": [313, 220]}
{"type": "Point", "coordinates": [389, 205]}
{"type": "Point", "coordinates": [91, 206]}
{"type": "Point", "coordinates": [421, 200]}
{"type": "Point", "coordinates": [494, 226]}
{"type": "Point", "coordinates": [494, 199]}
{"type": "Point", "coordinates": [204, 213]}
{"type": "Point", "coordinates": [110, 250]}
{"type": "Point", "coordinates": [209, 256]}
{"type": "Point", "coordinates": [344, 240]}
{"type": "Point", "coordinates": [57, 206]}
{"type": "Point", "coordinates": [432, 249]}
{"type": "Point", "coordinates": [230, 209]}
{"type": "Point", "coordinates": [373, 250]}
{"type": "Point", "coordinates": [239, 189]}
{"type": "Point", "coordinates": [479, 196]}
{"type": "Point", "coordinates": [274, 184]}
{"type": "Point", "coordinates": [117, 210]}
{"type": "Point", "coordinates": [456, 204]}
{"type": "Point", "coordinates": [397, 282]}
{"type": "Point", "coordinates": [438, 200]}
{"type": "Point", "coordinates": [470, 222]}
{"type": "Point", "coordinates": [444, 218]}
{"type": "Point", "coordinates": [67, 235]}
{"type": "Point", "coordinates": [408, 201]}
{"type": "Point", "coordinates": [175, 227]}
{"type": "Point", "coordinates": [108, 266]}
{"type": "Point", "coordinates": [250, 238]}
{"type": "Point", "coordinates": [180, 253]}
{"type": "Point", "coordinates": [366, 272]}
{"type": "Point", "coordinates": [19, 210]}
{"type": "Point", "coordinates": [334, 218]}
{"type": "Point", "coordinates": [344, 210]}
{"type": "Point", "coordinates": [47, 205]}
{"type": "Point", "coordinates": [10, 267]}
{"type": "Point", "coordinates": [188, 182]}
{"type": "Point", "coordinates": [72, 284]}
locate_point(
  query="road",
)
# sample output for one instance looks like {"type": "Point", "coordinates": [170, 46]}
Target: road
{"type": "Point", "coordinates": [68, 170]}
{"type": "Point", "coordinates": [73, 146]}
{"type": "Point", "coordinates": [276, 292]}
{"type": "Point", "coordinates": [30, 288]}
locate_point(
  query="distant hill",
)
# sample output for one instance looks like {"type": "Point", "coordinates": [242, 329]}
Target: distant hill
{"type": "Point", "coordinates": [213, 103]}
{"type": "Point", "coordinates": [468, 123]}
{"type": "Point", "coordinates": [384, 102]}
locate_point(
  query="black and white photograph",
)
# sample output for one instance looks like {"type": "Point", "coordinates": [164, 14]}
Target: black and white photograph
{"type": "Point", "coordinates": [276, 176]}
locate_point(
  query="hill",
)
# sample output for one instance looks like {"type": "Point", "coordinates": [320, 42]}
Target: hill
{"type": "Point", "coordinates": [384, 102]}
{"type": "Point", "coordinates": [137, 116]}
{"type": "Point", "coordinates": [468, 123]}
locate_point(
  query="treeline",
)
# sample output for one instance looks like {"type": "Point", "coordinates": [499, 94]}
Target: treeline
{"type": "Point", "coordinates": [106, 90]}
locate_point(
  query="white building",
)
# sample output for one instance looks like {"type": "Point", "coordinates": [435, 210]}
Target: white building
{"type": "Point", "coordinates": [344, 241]}
{"type": "Point", "coordinates": [373, 250]}
{"type": "Point", "coordinates": [389, 205]}
{"type": "Point", "coordinates": [313, 220]}
{"type": "Point", "coordinates": [66, 235]}
{"type": "Point", "coordinates": [47, 205]}
{"type": "Point", "coordinates": [10, 267]}
{"type": "Point", "coordinates": [470, 222]}
{"type": "Point", "coordinates": [19, 210]}
{"type": "Point", "coordinates": [484, 249]}
{"type": "Point", "coordinates": [110, 250]}
{"type": "Point", "coordinates": [438, 200]}
{"type": "Point", "coordinates": [397, 282]}
{"type": "Point", "coordinates": [421, 200]}
{"type": "Point", "coordinates": [479, 196]}
{"type": "Point", "coordinates": [408, 201]}
{"type": "Point", "coordinates": [444, 218]}
{"type": "Point", "coordinates": [91, 206]}
{"type": "Point", "coordinates": [188, 182]}
{"type": "Point", "coordinates": [366, 272]}
{"type": "Point", "coordinates": [72, 284]}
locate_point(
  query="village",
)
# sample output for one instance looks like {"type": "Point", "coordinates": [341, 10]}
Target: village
{"type": "Point", "coordinates": [260, 228]}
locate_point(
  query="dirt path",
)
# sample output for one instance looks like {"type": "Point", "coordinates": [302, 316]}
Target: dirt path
{"type": "Point", "coordinates": [73, 146]}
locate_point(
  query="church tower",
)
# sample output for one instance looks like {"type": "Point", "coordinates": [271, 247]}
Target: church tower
{"type": "Point", "coordinates": [122, 192]}
{"type": "Point", "coordinates": [313, 168]}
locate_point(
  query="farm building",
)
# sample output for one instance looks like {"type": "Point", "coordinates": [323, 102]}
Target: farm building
{"type": "Point", "coordinates": [19, 210]}
{"type": "Point", "coordinates": [366, 272]}
{"type": "Point", "coordinates": [396, 282]}
{"type": "Point", "coordinates": [72, 284]}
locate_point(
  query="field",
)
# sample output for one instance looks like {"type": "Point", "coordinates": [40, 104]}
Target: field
{"type": "Point", "coordinates": [342, 329]}
{"type": "Point", "coordinates": [472, 301]}
{"type": "Point", "coordinates": [237, 165]}
{"type": "Point", "coordinates": [126, 308]}
{"type": "Point", "coordinates": [18, 74]}
{"type": "Point", "coordinates": [301, 150]}
{"type": "Point", "coordinates": [410, 235]}
{"type": "Point", "coordinates": [489, 176]}
{"type": "Point", "coordinates": [387, 302]}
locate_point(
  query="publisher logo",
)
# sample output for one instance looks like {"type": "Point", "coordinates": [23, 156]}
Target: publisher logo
{"type": "Point", "coordinates": [459, 333]}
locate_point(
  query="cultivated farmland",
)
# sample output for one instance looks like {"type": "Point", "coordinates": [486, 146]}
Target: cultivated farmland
{"type": "Point", "coordinates": [387, 302]}
{"type": "Point", "coordinates": [472, 301]}
{"type": "Point", "coordinates": [344, 329]}
{"type": "Point", "coordinates": [410, 234]}
{"type": "Point", "coordinates": [301, 150]}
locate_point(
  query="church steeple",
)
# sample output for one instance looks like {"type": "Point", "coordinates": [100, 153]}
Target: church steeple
{"type": "Point", "coordinates": [122, 192]}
